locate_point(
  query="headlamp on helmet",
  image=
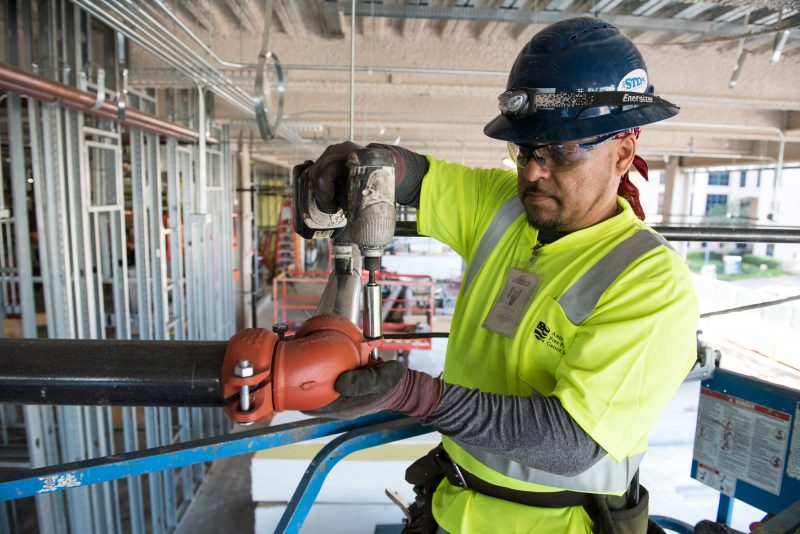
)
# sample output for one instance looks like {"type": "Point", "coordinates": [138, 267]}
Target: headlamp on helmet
{"type": "Point", "coordinates": [517, 103]}
{"type": "Point", "coordinates": [513, 103]}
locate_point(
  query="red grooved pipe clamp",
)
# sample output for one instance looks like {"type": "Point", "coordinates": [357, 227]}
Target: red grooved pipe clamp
{"type": "Point", "coordinates": [257, 346]}
{"type": "Point", "coordinates": [295, 374]}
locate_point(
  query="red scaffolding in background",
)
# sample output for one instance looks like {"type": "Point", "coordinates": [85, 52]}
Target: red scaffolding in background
{"type": "Point", "coordinates": [408, 303]}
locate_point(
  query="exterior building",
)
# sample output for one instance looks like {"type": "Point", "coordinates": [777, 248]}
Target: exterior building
{"type": "Point", "coordinates": [741, 195]}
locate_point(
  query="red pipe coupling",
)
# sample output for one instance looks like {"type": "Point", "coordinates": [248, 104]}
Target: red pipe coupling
{"type": "Point", "coordinates": [293, 374]}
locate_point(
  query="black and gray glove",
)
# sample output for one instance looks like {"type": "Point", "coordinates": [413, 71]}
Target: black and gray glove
{"type": "Point", "coordinates": [330, 169]}
{"type": "Point", "coordinates": [383, 386]}
{"type": "Point", "coordinates": [409, 169]}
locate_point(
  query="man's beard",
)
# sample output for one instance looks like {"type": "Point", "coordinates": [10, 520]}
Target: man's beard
{"type": "Point", "coordinates": [544, 224]}
{"type": "Point", "coordinates": [538, 220]}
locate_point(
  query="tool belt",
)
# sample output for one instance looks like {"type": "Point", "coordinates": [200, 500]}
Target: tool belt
{"type": "Point", "coordinates": [626, 514]}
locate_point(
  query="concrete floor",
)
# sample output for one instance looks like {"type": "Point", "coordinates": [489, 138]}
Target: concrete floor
{"type": "Point", "coordinates": [223, 503]}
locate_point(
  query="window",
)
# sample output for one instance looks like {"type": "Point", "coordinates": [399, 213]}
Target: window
{"type": "Point", "coordinates": [716, 204]}
{"type": "Point", "coordinates": [718, 178]}
{"type": "Point", "coordinates": [758, 179]}
{"type": "Point", "coordinates": [743, 179]}
{"type": "Point", "coordinates": [770, 249]}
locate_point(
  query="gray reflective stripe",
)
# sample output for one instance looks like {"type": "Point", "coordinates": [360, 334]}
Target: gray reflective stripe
{"type": "Point", "coordinates": [579, 301]}
{"type": "Point", "coordinates": [506, 215]}
{"type": "Point", "coordinates": [606, 476]}
{"type": "Point", "coordinates": [582, 297]}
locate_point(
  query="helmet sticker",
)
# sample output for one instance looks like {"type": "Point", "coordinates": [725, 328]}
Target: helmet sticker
{"type": "Point", "coordinates": [635, 81]}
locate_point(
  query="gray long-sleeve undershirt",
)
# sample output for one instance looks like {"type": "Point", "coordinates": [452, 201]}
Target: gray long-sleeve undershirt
{"type": "Point", "coordinates": [535, 431]}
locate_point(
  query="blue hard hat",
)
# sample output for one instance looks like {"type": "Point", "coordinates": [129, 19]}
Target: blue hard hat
{"type": "Point", "coordinates": [576, 79]}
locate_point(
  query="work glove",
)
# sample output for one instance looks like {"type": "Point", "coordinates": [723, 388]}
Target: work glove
{"type": "Point", "coordinates": [409, 169]}
{"type": "Point", "coordinates": [330, 169]}
{"type": "Point", "coordinates": [383, 386]}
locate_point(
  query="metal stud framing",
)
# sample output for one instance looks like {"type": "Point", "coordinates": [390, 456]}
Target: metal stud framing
{"type": "Point", "coordinates": [129, 242]}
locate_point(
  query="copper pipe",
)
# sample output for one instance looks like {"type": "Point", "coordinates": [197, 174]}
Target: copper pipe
{"type": "Point", "coordinates": [13, 88]}
{"type": "Point", "coordinates": [22, 82]}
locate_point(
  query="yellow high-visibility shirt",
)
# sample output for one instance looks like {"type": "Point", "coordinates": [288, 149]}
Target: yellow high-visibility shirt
{"type": "Point", "coordinates": [613, 373]}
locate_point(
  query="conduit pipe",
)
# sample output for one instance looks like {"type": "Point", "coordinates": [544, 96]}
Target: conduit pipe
{"type": "Point", "coordinates": [202, 171]}
{"type": "Point", "coordinates": [24, 83]}
{"type": "Point", "coordinates": [736, 234]}
{"type": "Point", "coordinates": [197, 40]}
{"type": "Point", "coordinates": [710, 155]}
{"type": "Point", "coordinates": [151, 35]}
{"type": "Point", "coordinates": [352, 70]}
{"type": "Point", "coordinates": [766, 129]}
{"type": "Point", "coordinates": [396, 70]}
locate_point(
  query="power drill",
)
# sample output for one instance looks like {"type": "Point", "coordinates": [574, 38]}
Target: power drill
{"type": "Point", "coordinates": [366, 218]}
{"type": "Point", "coordinates": [371, 221]}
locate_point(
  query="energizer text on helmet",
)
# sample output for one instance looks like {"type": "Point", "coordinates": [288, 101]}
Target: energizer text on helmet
{"type": "Point", "coordinates": [524, 101]}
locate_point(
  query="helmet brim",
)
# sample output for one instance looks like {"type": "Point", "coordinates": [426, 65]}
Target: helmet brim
{"type": "Point", "coordinates": [530, 130]}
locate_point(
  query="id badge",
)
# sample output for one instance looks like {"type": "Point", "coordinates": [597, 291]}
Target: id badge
{"type": "Point", "coordinates": [511, 304]}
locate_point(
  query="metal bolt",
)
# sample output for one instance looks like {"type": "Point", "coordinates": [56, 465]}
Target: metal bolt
{"type": "Point", "coordinates": [280, 329]}
{"type": "Point", "coordinates": [244, 369]}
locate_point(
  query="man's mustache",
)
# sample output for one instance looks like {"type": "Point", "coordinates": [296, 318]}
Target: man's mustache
{"type": "Point", "coordinates": [536, 190]}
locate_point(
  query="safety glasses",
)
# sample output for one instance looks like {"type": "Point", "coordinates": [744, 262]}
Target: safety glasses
{"type": "Point", "coordinates": [556, 156]}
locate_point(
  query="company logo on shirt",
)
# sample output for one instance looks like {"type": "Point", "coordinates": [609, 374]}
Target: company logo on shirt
{"type": "Point", "coordinates": [552, 339]}
{"type": "Point", "coordinates": [541, 331]}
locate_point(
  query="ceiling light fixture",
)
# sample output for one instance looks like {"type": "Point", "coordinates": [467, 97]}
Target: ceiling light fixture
{"type": "Point", "coordinates": [777, 47]}
{"type": "Point", "coordinates": [737, 69]}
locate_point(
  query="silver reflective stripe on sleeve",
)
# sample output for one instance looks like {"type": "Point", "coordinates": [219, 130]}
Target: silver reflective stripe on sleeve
{"type": "Point", "coordinates": [506, 215]}
{"type": "Point", "coordinates": [582, 297]}
{"type": "Point", "coordinates": [606, 476]}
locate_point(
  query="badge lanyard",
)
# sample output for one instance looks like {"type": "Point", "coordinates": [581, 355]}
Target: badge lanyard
{"type": "Point", "coordinates": [513, 301]}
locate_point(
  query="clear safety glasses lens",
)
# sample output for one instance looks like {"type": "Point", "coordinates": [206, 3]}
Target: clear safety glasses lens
{"type": "Point", "coordinates": [555, 156]}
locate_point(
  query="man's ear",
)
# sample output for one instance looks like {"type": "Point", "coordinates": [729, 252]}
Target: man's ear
{"type": "Point", "coordinates": [626, 150]}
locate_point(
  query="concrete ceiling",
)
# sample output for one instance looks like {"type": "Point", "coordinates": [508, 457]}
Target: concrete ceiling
{"type": "Point", "coordinates": [428, 72]}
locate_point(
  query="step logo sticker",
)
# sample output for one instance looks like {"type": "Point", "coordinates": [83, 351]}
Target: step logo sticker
{"type": "Point", "coordinates": [634, 82]}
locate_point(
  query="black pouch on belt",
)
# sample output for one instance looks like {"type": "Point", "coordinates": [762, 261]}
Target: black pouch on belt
{"type": "Point", "coordinates": [617, 515]}
{"type": "Point", "coordinates": [425, 475]}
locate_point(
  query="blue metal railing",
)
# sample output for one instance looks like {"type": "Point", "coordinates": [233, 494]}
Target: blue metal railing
{"type": "Point", "coordinates": [104, 469]}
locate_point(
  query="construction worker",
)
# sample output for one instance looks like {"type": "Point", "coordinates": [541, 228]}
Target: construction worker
{"type": "Point", "coordinates": [575, 322]}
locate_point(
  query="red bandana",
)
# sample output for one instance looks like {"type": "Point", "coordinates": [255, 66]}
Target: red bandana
{"type": "Point", "coordinates": [626, 189]}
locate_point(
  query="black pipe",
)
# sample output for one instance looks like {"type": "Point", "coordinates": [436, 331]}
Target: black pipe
{"type": "Point", "coordinates": [673, 232]}
{"type": "Point", "coordinates": [111, 372]}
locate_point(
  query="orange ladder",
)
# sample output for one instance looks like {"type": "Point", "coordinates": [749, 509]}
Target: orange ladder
{"type": "Point", "coordinates": [287, 243]}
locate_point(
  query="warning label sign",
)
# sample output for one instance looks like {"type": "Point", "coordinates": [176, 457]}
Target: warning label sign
{"type": "Point", "coordinates": [793, 465]}
{"type": "Point", "coordinates": [721, 482]}
{"type": "Point", "coordinates": [737, 439]}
